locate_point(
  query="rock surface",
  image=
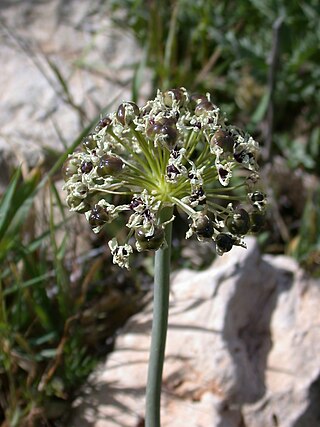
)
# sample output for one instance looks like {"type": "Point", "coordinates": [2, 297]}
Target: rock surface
{"type": "Point", "coordinates": [242, 351]}
{"type": "Point", "coordinates": [61, 64]}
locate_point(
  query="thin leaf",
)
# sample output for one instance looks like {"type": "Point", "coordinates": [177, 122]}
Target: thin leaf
{"type": "Point", "coordinates": [28, 283]}
{"type": "Point", "coordinates": [261, 109]}
{"type": "Point", "coordinates": [6, 203]}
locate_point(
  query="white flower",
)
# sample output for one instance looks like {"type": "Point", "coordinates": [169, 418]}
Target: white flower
{"type": "Point", "coordinates": [120, 254]}
{"type": "Point", "coordinates": [176, 150]}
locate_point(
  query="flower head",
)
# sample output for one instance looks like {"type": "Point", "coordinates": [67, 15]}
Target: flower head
{"type": "Point", "coordinates": [176, 150]}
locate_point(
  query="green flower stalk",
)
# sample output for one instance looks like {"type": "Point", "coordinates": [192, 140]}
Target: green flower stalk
{"type": "Point", "coordinates": [177, 151]}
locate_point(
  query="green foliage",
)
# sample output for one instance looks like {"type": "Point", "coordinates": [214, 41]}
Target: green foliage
{"type": "Point", "coordinates": [14, 207]}
{"type": "Point", "coordinates": [301, 152]}
{"type": "Point", "coordinates": [306, 248]}
{"type": "Point", "coordinates": [44, 354]}
{"type": "Point", "coordinates": [221, 42]}
{"type": "Point", "coordinates": [224, 48]}
{"type": "Point", "coordinates": [35, 301]}
{"type": "Point", "coordinates": [260, 61]}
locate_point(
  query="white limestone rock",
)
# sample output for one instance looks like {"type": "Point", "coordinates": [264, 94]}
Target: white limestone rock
{"type": "Point", "coordinates": [242, 350]}
{"type": "Point", "coordinates": [96, 59]}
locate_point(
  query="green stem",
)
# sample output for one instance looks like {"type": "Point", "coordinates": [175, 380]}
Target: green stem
{"type": "Point", "coordinates": [159, 325]}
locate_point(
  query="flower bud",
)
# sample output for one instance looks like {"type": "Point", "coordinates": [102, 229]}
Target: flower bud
{"type": "Point", "coordinates": [172, 171]}
{"type": "Point", "coordinates": [239, 222]}
{"type": "Point", "coordinates": [242, 155]}
{"type": "Point", "coordinates": [109, 165]}
{"type": "Point", "coordinates": [70, 167]}
{"type": "Point", "coordinates": [257, 196]}
{"type": "Point", "coordinates": [153, 130]}
{"type": "Point", "coordinates": [257, 221]}
{"type": "Point", "coordinates": [148, 243]}
{"type": "Point", "coordinates": [127, 111]}
{"type": "Point", "coordinates": [135, 203]}
{"type": "Point", "coordinates": [104, 122]}
{"type": "Point", "coordinates": [168, 121]}
{"type": "Point", "coordinates": [174, 94]}
{"type": "Point", "coordinates": [204, 226]}
{"type": "Point", "coordinates": [224, 242]}
{"type": "Point", "coordinates": [73, 201]}
{"type": "Point", "coordinates": [258, 200]}
{"type": "Point", "coordinates": [224, 140]}
{"type": "Point", "coordinates": [198, 196]}
{"type": "Point", "coordinates": [86, 167]}
{"type": "Point", "coordinates": [203, 107]}
{"type": "Point", "coordinates": [99, 216]}
{"type": "Point", "coordinates": [170, 135]}
{"type": "Point", "coordinates": [89, 142]}
{"type": "Point", "coordinates": [197, 98]}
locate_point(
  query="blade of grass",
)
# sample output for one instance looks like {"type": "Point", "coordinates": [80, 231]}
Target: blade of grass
{"type": "Point", "coordinates": [169, 47]}
{"type": "Point", "coordinates": [61, 276]}
{"type": "Point", "coordinates": [138, 77]}
{"type": "Point", "coordinates": [28, 283]}
{"type": "Point", "coordinates": [65, 88]}
{"type": "Point", "coordinates": [7, 202]}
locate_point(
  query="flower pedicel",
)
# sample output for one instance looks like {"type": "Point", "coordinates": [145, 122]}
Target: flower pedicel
{"type": "Point", "coordinates": [176, 150]}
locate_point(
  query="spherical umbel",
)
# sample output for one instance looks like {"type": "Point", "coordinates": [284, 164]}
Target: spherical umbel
{"type": "Point", "coordinates": [177, 151]}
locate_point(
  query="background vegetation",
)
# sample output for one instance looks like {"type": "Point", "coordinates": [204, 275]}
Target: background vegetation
{"type": "Point", "coordinates": [60, 309]}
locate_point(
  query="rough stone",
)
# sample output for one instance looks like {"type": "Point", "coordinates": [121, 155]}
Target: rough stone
{"type": "Point", "coordinates": [41, 41]}
{"type": "Point", "coordinates": [242, 351]}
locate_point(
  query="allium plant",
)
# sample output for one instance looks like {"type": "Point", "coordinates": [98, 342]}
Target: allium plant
{"type": "Point", "coordinates": [176, 151]}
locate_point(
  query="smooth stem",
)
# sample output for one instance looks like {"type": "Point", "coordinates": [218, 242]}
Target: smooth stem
{"type": "Point", "coordinates": [159, 325]}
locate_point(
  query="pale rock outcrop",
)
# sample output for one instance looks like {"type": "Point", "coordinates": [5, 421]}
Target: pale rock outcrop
{"type": "Point", "coordinates": [242, 351]}
{"type": "Point", "coordinates": [39, 41]}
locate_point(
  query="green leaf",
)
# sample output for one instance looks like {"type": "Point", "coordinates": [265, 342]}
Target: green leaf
{"type": "Point", "coordinates": [14, 208]}
{"type": "Point", "coordinates": [48, 353]}
{"type": "Point", "coordinates": [261, 109]}
{"type": "Point", "coordinates": [6, 203]}
{"type": "Point", "coordinates": [26, 284]}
